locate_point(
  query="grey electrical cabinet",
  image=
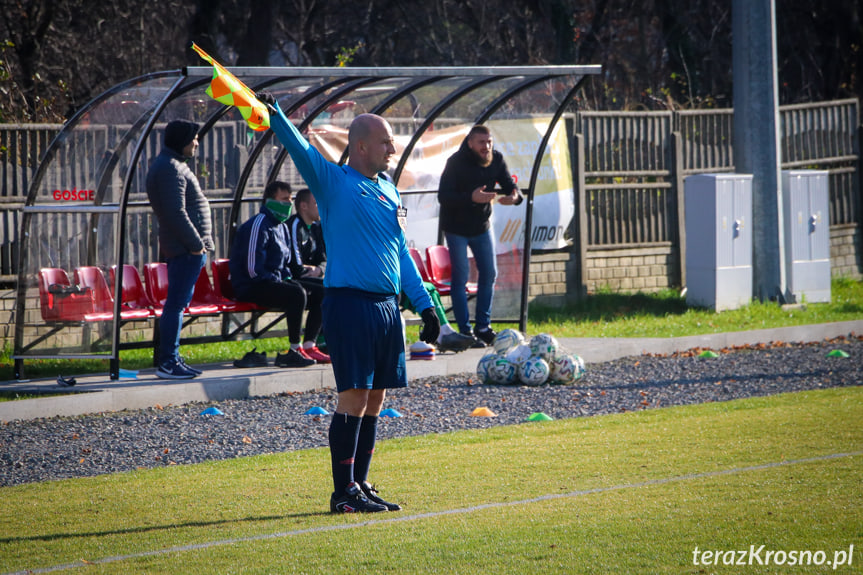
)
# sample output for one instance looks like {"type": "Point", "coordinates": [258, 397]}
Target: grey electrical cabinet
{"type": "Point", "coordinates": [718, 240]}
{"type": "Point", "coordinates": [805, 204]}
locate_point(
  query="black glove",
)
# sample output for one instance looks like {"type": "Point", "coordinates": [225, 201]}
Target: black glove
{"type": "Point", "coordinates": [267, 99]}
{"type": "Point", "coordinates": [431, 326]}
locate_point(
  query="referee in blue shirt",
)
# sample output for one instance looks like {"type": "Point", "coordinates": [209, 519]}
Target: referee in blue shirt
{"type": "Point", "coordinates": [368, 266]}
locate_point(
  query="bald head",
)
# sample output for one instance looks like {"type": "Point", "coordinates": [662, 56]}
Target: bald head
{"type": "Point", "coordinates": [362, 126]}
{"type": "Point", "coordinates": [370, 144]}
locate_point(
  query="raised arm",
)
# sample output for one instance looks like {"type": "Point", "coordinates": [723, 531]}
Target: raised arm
{"type": "Point", "coordinates": [310, 163]}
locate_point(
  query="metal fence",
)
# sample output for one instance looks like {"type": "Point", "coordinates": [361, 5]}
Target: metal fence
{"type": "Point", "coordinates": [21, 149]}
{"type": "Point", "coordinates": [633, 163]}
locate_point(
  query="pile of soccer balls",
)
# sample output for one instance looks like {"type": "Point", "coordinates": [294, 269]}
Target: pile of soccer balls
{"type": "Point", "coordinates": [535, 362]}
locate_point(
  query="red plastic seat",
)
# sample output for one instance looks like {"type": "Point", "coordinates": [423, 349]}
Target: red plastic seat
{"type": "Point", "coordinates": [134, 296]}
{"type": "Point", "coordinates": [206, 294]}
{"type": "Point", "coordinates": [223, 288]}
{"type": "Point", "coordinates": [156, 282]}
{"type": "Point", "coordinates": [440, 270]}
{"type": "Point", "coordinates": [421, 267]}
{"type": "Point", "coordinates": [92, 277]}
{"type": "Point", "coordinates": [156, 279]}
{"type": "Point", "coordinates": [62, 306]}
{"type": "Point", "coordinates": [204, 300]}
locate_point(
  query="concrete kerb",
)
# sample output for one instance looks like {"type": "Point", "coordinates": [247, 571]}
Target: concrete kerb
{"type": "Point", "coordinates": [97, 393]}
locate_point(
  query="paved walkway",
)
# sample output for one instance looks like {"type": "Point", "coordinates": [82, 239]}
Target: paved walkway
{"type": "Point", "coordinates": [98, 393]}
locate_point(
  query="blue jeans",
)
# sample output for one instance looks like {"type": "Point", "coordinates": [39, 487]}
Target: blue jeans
{"type": "Point", "coordinates": [183, 273]}
{"type": "Point", "coordinates": [482, 247]}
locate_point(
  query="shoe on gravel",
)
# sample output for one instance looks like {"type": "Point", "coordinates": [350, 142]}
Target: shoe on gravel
{"type": "Point", "coordinates": [253, 358]}
{"type": "Point", "coordinates": [174, 370]}
{"type": "Point", "coordinates": [188, 367]}
{"type": "Point", "coordinates": [293, 358]}
{"type": "Point", "coordinates": [353, 500]}
{"type": "Point", "coordinates": [477, 343]}
{"type": "Point", "coordinates": [454, 342]}
{"type": "Point", "coordinates": [486, 335]}
{"type": "Point", "coordinates": [372, 495]}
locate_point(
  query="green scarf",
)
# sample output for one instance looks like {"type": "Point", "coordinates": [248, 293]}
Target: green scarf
{"type": "Point", "coordinates": [280, 210]}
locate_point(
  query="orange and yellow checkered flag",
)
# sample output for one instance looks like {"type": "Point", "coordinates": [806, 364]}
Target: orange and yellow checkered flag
{"type": "Point", "coordinates": [227, 89]}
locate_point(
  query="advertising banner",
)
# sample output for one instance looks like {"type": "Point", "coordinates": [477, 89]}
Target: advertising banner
{"type": "Point", "coordinates": [518, 140]}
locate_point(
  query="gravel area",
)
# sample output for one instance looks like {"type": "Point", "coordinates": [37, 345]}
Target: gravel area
{"type": "Point", "coordinates": [56, 448]}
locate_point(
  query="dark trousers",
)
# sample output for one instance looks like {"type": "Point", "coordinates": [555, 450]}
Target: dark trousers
{"type": "Point", "coordinates": [183, 272]}
{"type": "Point", "coordinates": [291, 297]}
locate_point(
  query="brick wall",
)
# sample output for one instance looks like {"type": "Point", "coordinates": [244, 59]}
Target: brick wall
{"type": "Point", "coordinates": [846, 259]}
{"type": "Point", "coordinates": [646, 269]}
{"type": "Point", "coordinates": [7, 317]}
{"type": "Point", "coordinates": [549, 278]}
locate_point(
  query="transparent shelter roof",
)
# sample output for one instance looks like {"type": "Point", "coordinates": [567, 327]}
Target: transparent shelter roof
{"type": "Point", "coordinates": [87, 205]}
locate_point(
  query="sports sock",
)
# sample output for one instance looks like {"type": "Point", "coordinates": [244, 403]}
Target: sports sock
{"type": "Point", "coordinates": [308, 344]}
{"type": "Point", "coordinates": [344, 430]}
{"type": "Point", "coordinates": [445, 329]}
{"type": "Point", "coordinates": [295, 346]}
{"type": "Point", "coordinates": [365, 447]}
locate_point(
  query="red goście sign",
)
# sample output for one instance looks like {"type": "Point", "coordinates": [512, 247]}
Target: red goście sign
{"type": "Point", "coordinates": [75, 195]}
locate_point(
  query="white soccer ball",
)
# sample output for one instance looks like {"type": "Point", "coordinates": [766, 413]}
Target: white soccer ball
{"type": "Point", "coordinates": [502, 371]}
{"type": "Point", "coordinates": [544, 345]}
{"type": "Point", "coordinates": [507, 340]}
{"type": "Point", "coordinates": [519, 354]}
{"type": "Point", "coordinates": [533, 371]}
{"type": "Point", "coordinates": [482, 367]}
{"type": "Point", "coordinates": [566, 368]}
{"type": "Point", "coordinates": [582, 369]}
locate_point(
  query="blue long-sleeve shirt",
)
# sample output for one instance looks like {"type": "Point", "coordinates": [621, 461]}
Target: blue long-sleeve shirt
{"type": "Point", "coordinates": [366, 247]}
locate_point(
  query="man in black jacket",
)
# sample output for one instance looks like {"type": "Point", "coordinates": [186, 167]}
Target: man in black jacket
{"type": "Point", "coordinates": [307, 237]}
{"type": "Point", "coordinates": [185, 237]}
{"type": "Point", "coordinates": [262, 264]}
{"type": "Point", "coordinates": [466, 193]}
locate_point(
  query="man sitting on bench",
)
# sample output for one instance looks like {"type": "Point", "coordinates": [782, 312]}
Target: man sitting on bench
{"type": "Point", "coordinates": [260, 265]}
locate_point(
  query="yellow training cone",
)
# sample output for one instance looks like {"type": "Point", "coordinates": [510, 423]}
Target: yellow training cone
{"type": "Point", "coordinates": [483, 412]}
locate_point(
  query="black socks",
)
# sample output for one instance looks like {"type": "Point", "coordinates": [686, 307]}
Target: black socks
{"type": "Point", "coordinates": [344, 430]}
{"type": "Point", "coordinates": [365, 447]}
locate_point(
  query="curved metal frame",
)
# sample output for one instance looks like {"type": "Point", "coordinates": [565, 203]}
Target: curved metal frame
{"type": "Point", "coordinates": [34, 191]}
{"type": "Point", "coordinates": [395, 97]}
{"type": "Point", "coordinates": [434, 113]}
{"type": "Point", "coordinates": [528, 213]}
{"type": "Point", "coordinates": [345, 80]}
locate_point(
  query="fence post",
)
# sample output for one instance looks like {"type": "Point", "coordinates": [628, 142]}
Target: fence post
{"type": "Point", "coordinates": [858, 144]}
{"type": "Point", "coordinates": [580, 212]}
{"type": "Point", "coordinates": [677, 177]}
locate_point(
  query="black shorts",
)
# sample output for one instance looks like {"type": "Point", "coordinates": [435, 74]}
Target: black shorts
{"type": "Point", "coordinates": [365, 339]}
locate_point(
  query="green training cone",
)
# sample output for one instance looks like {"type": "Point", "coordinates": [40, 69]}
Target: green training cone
{"type": "Point", "coordinates": [539, 416]}
{"type": "Point", "coordinates": [708, 353]}
{"type": "Point", "coordinates": [838, 353]}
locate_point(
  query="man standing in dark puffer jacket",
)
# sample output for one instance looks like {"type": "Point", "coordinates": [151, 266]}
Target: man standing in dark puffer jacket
{"type": "Point", "coordinates": [185, 237]}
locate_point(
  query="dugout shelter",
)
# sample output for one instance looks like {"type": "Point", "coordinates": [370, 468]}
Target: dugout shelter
{"type": "Point", "coordinates": [88, 284]}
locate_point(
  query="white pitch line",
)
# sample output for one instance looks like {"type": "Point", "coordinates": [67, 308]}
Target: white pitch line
{"type": "Point", "coordinates": [433, 514]}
